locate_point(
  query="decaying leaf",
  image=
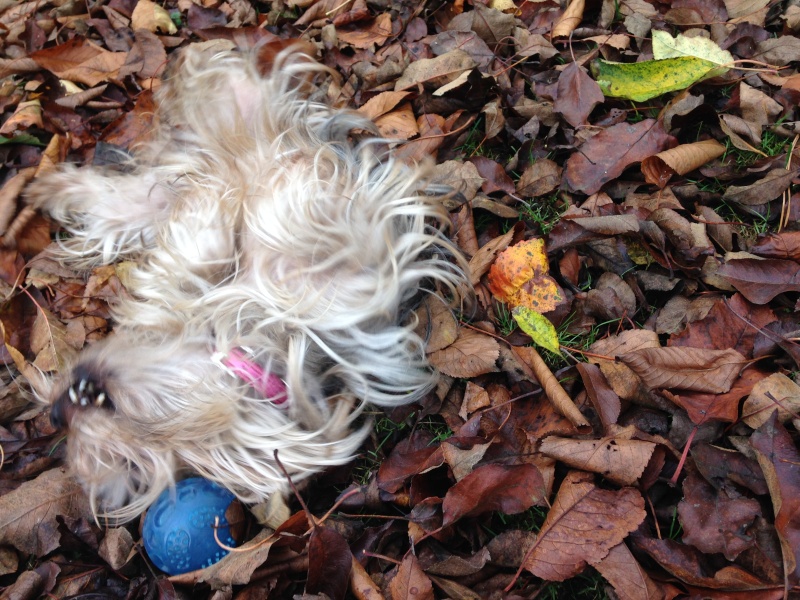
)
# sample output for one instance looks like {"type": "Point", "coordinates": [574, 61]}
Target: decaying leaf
{"type": "Point", "coordinates": [538, 327]}
{"type": "Point", "coordinates": [519, 277]}
{"type": "Point", "coordinates": [472, 354]}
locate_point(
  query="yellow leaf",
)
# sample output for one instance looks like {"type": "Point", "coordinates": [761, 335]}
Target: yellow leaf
{"type": "Point", "coordinates": [644, 80]}
{"type": "Point", "coordinates": [538, 327]}
{"type": "Point", "coordinates": [519, 277]}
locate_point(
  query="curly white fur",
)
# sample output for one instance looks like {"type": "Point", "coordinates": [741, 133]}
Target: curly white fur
{"type": "Point", "coordinates": [254, 222]}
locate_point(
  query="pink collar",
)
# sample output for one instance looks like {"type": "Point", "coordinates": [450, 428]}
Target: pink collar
{"type": "Point", "coordinates": [267, 384]}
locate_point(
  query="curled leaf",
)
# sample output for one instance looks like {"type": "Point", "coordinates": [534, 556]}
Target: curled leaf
{"type": "Point", "coordinates": [659, 168]}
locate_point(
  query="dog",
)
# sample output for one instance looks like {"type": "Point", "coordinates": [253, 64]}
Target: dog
{"type": "Point", "coordinates": [277, 250]}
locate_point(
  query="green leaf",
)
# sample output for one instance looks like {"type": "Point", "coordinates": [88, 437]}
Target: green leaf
{"type": "Point", "coordinates": [538, 327]}
{"type": "Point", "coordinates": [22, 138]}
{"type": "Point", "coordinates": [644, 80]}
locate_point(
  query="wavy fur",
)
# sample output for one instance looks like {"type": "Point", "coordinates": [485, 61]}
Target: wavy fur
{"type": "Point", "coordinates": [256, 222]}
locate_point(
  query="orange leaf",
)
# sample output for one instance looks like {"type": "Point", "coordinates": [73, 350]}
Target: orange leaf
{"type": "Point", "coordinates": [519, 277]}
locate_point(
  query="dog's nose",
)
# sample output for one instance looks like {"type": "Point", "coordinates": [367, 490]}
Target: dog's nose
{"type": "Point", "coordinates": [82, 394]}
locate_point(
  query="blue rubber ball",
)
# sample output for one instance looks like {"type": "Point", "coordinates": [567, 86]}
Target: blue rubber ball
{"type": "Point", "coordinates": [178, 529]}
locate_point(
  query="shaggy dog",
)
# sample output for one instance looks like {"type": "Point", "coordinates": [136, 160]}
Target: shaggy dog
{"type": "Point", "coordinates": [276, 255]}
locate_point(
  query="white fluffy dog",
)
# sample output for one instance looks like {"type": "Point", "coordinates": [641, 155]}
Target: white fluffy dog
{"type": "Point", "coordinates": [274, 258]}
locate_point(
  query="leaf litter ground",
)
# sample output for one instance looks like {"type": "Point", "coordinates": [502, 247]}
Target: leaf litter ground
{"type": "Point", "coordinates": [672, 253]}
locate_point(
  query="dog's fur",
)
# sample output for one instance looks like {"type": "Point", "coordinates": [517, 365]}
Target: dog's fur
{"type": "Point", "coordinates": [256, 222]}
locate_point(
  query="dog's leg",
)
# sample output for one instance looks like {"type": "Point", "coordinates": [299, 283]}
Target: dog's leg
{"type": "Point", "coordinates": [107, 216]}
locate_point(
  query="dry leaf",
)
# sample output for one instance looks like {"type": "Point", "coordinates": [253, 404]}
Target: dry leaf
{"type": "Point", "coordinates": [573, 535]}
{"type": "Point", "coordinates": [472, 354]}
{"type": "Point", "coordinates": [619, 460]}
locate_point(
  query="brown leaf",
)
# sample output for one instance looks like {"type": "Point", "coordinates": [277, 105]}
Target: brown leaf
{"type": "Point", "coordinates": [509, 489]}
{"type": "Point", "coordinates": [780, 461]}
{"type": "Point", "coordinates": [435, 72]}
{"type": "Point", "coordinates": [329, 563]}
{"type": "Point", "coordinates": [570, 20]}
{"type": "Point", "coordinates": [775, 392]}
{"type": "Point", "coordinates": [539, 178]}
{"type": "Point", "coordinates": [619, 460]}
{"type": "Point", "coordinates": [619, 376]}
{"type": "Point", "coordinates": [785, 244]}
{"type": "Point", "coordinates": [772, 185]}
{"type": "Point", "coordinates": [583, 525]}
{"type": "Point", "coordinates": [716, 521]}
{"type": "Point", "coordinates": [80, 61]}
{"type": "Point", "coordinates": [761, 280]}
{"type": "Point", "coordinates": [720, 464]}
{"type": "Point", "coordinates": [606, 155]}
{"type": "Point", "coordinates": [415, 454]}
{"type": "Point", "coordinates": [494, 176]}
{"type": "Point", "coordinates": [630, 580]}
{"type": "Point", "coordinates": [410, 583]}
{"type": "Point", "coordinates": [538, 370]}
{"type": "Point", "coordinates": [381, 104]}
{"type": "Point", "coordinates": [696, 369]}
{"type": "Point", "coordinates": [375, 34]}
{"type": "Point", "coordinates": [578, 93]}
{"type": "Point", "coordinates": [472, 354]}
{"type": "Point", "coordinates": [28, 513]}
{"type": "Point", "coordinates": [461, 457]}
{"type": "Point", "coordinates": [605, 401]}
{"type": "Point", "coordinates": [659, 168]}
{"type": "Point", "coordinates": [484, 258]}
{"type": "Point", "coordinates": [702, 407]}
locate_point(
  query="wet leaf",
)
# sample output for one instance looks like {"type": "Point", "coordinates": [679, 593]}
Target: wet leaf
{"type": "Point", "coordinates": [761, 280]}
{"type": "Point", "coordinates": [578, 94]}
{"type": "Point", "coordinates": [329, 563]}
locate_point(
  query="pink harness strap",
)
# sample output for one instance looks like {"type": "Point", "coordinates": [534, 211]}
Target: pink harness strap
{"type": "Point", "coordinates": [268, 385]}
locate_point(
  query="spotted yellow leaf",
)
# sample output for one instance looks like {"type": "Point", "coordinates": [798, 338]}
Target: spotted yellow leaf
{"type": "Point", "coordinates": [538, 327]}
{"type": "Point", "coordinates": [519, 277]}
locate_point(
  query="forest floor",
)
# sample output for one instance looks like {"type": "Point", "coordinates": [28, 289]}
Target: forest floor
{"type": "Point", "coordinates": [649, 211]}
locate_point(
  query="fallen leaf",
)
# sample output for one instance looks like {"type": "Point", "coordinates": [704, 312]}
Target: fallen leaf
{"type": "Point", "coordinates": [659, 168]}
{"type": "Point", "coordinates": [152, 17]}
{"type": "Point", "coordinates": [410, 582]}
{"type": "Point", "coordinates": [619, 460]}
{"type": "Point", "coordinates": [538, 327]}
{"type": "Point", "coordinates": [627, 576]}
{"type": "Point", "coordinates": [510, 489]}
{"type": "Point", "coordinates": [519, 277]}
{"type": "Point", "coordinates": [600, 159]}
{"type": "Point", "coordinates": [578, 93]}
{"type": "Point", "coordinates": [435, 72]}
{"type": "Point", "coordinates": [329, 563]}
{"type": "Point", "coordinates": [681, 368]}
{"type": "Point", "coordinates": [774, 392]}
{"type": "Point", "coordinates": [573, 535]}
{"type": "Point", "coordinates": [772, 185]}
{"type": "Point", "coordinates": [28, 513]}
{"type": "Point", "coordinates": [716, 521]}
{"type": "Point", "coordinates": [570, 20]}
{"type": "Point", "coordinates": [81, 61]}
{"type": "Point", "coordinates": [472, 354]}
{"type": "Point", "coordinates": [760, 280]}
{"type": "Point", "coordinates": [780, 461]}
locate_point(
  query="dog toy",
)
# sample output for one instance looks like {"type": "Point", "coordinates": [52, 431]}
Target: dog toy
{"type": "Point", "coordinates": [178, 531]}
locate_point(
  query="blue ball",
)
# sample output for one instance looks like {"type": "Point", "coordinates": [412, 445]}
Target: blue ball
{"type": "Point", "coordinates": [178, 530]}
